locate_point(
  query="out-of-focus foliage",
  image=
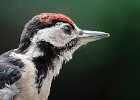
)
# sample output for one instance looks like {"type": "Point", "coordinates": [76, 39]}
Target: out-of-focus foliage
{"type": "Point", "coordinates": [104, 70]}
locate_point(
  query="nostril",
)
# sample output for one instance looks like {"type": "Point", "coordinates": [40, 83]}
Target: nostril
{"type": "Point", "coordinates": [80, 32]}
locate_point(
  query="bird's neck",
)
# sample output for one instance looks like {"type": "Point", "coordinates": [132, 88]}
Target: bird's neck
{"type": "Point", "coordinates": [42, 67]}
{"type": "Point", "coordinates": [47, 62]}
{"type": "Point", "coordinates": [47, 57]}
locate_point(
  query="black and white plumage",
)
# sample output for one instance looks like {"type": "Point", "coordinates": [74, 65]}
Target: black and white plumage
{"type": "Point", "coordinates": [47, 40]}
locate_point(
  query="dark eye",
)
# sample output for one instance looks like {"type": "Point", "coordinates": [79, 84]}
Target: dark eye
{"type": "Point", "coordinates": [67, 29]}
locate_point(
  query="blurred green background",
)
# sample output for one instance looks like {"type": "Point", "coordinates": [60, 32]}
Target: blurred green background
{"type": "Point", "coordinates": [103, 70]}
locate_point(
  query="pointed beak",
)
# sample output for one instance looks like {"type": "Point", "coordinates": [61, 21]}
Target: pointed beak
{"type": "Point", "coordinates": [92, 35]}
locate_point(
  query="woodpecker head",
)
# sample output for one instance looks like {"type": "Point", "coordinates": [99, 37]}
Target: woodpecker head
{"type": "Point", "coordinates": [56, 30]}
{"type": "Point", "coordinates": [48, 39]}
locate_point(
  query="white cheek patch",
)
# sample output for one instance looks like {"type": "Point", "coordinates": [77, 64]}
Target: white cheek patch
{"type": "Point", "coordinates": [53, 35]}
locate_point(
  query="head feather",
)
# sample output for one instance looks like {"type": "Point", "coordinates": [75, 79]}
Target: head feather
{"type": "Point", "coordinates": [48, 18]}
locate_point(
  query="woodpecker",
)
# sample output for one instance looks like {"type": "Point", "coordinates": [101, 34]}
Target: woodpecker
{"type": "Point", "coordinates": [47, 40]}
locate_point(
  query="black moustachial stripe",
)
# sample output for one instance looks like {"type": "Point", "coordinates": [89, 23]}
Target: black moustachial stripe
{"type": "Point", "coordinates": [44, 63]}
